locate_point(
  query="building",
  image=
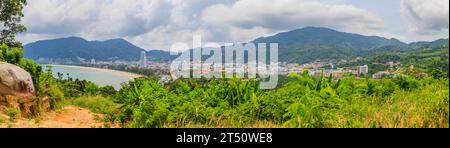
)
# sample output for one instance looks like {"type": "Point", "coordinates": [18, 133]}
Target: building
{"type": "Point", "coordinates": [143, 60]}
{"type": "Point", "coordinates": [381, 74]}
{"type": "Point", "coordinates": [92, 61]}
{"type": "Point", "coordinates": [362, 70]}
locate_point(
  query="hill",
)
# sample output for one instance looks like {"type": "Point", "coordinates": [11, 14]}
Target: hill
{"type": "Point", "coordinates": [311, 43]}
{"type": "Point", "coordinates": [73, 47]}
{"type": "Point", "coordinates": [296, 46]}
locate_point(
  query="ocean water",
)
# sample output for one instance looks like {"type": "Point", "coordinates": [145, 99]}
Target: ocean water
{"type": "Point", "coordinates": [101, 77]}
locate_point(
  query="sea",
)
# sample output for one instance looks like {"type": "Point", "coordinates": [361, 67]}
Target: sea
{"type": "Point", "coordinates": [101, 77]}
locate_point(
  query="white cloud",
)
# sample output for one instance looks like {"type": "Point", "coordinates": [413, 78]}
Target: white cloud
{"type": "Point", "coordinates": [95, 18]}
{"type": "Point", "coordinates": [289, 14]}
{"type": "Point", "coordinates": [429, 19]}
{"type": "Point", "coordinates": [157, 24]}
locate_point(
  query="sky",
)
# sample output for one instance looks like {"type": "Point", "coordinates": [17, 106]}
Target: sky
{"type": "Point", "coordinates": [158, 24]}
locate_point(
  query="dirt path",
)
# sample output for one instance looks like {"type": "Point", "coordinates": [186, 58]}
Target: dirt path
{"type": "Point", "coordinates": [68, 117]}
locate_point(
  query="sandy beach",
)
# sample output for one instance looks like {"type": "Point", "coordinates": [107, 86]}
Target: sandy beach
{"type": "Point", "coordinates": [114, 72]}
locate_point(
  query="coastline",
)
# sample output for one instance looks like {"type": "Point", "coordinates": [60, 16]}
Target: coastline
{"type": "Point", "coordinates": [114, 72]}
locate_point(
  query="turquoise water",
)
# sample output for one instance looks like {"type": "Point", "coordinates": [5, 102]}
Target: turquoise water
{"type": "Point", "coordinates": [101, 77]}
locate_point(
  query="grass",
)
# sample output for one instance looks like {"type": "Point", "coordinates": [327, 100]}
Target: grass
{"type": "Point", "coordinates": [13, 113]}
{"type": "Point", "coordinates": [403, 109]}
{"type": "Point", "coordinates": [97, 104]}
{"type": "Point", "coordinates": [389, 105]}
{"type": "Point", "coordinates": [304, 103]}
{"type": "Point", "coordinates": [2, 120]}
{"type": "Point", "coordinates": [224, 124]}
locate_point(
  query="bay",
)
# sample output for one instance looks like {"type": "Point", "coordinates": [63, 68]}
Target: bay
{"type": "Point", "coordinates": [101, 77]}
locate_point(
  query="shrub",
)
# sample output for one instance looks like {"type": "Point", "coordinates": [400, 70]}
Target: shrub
{"type": "Point", "coordinates": [13, 113]}
{"type": "Point", "coordinates": [98, 104]}
{"type": "Point", "coordinates": [302, 102]}
{"type": "Point", "coordinates": [1, 120]}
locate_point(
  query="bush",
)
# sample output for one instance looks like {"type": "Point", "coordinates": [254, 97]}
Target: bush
{"type": "Point", "coordinates": [13, 113]}
{"type": "Point", "coordinates": [44, 83]}
{"type": "Point", "coordinates": [98, 104]}
{"type": "Point", "coordinates": [51, 88]}
{"type": "Point", "coordinates": [10, 55]}
{"type": "Point", "coordinates": [302, 102]}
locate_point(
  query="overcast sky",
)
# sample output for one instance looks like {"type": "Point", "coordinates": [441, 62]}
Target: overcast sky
{"type": "Point", "coordinates": [157, 24]}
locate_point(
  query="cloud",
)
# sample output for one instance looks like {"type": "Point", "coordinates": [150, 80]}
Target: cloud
{"type": "Point", "coordinates": [95, 18]}
{"type": "Point", "coordinates": [157, 24]}
{"type": "Point", "coordinates": [428, 17]}
{"type": "Point", "coordinates": [289, 14]}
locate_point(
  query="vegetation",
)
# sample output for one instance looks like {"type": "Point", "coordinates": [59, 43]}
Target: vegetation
{"type": "Point", "coordinates": [13, 113]}
{"type": "Point", "coordinates": [426, 56]}
{"type": "Point", "coordinates": [132, 69]}
{"type": "Point", "coordinates": [300, 100]}
{"type": "Point", "coordinates": [45, 84]}
{"type": "Point", "coordinates": [304, 102]}
{"type": "Point", "coordinates": [110, 50]}
{"type": "Point", "coordinates": [10, 16]}
{"type": "Point", "coordinates": [311, 43]}
{"type": "Point", "coordinates": [407, 100]}
{"type": "Point", "coordinates": [99, 104]}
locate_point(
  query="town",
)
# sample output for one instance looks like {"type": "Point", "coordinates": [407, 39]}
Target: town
{"type": "Point", "coordinates": [316, 68]}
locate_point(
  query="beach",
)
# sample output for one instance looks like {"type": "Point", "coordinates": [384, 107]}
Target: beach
{"type": "Point", "coordinates": [113, 72]}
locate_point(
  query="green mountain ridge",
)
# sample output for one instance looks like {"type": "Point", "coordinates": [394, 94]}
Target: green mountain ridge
{"type": "Point", "coordinates": [312, 43]}
{"type": "Point", "coordinates": [73, 47]}
{"type": "Point", "coordinates": [297, 46]}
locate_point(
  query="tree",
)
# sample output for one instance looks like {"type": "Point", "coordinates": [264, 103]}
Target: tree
{"type": "Point", "coordinates": [10, 16]}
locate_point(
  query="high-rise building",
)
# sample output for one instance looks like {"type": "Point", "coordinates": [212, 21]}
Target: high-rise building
{"type": "Point", "coordinates": [143, 60]}
{"type": "Point", "coordinates": [362, 70]}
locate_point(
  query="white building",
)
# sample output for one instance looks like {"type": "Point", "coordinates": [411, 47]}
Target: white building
{"type": "Point", "coordinates": [362, 70]}
{"type": "Point", "coordinates": [143, 60]}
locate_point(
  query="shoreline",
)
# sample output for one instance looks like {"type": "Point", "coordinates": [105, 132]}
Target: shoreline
{"type": "Point", "coordinates": [114, 72]}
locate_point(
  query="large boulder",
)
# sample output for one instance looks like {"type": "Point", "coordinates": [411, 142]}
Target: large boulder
{"type": "Point", "coordinates": [17, 89]}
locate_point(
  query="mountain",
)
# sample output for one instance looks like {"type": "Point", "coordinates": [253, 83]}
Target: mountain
{"type": "Point", "coordinates": [159, 55]}
{"type": "Point", "coordinates": [311, 43]}
{"type": "Point", "coordinates": [296, 46]}
{"type": "Point", "coordinates": [424, 55]}
{"type": "Point", "coordinates": [432, 44]}
{"type": "Point", "coordinates": [75, 47]}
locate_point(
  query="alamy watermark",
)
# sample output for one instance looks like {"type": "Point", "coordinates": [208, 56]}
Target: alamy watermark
{"type": "Point", "coordinates": [212, 60]}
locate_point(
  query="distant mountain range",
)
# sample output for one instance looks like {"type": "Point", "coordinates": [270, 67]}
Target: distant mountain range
{"type": "Point", "coordinates": [311, 43]}
{"type": "Point", "coordinates": [297, 46]}
{"type": "Point", "coordinates": [73, 48]}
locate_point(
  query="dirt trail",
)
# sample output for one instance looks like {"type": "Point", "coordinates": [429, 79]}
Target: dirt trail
{"type": "Point", "coordinates": [68, 117]}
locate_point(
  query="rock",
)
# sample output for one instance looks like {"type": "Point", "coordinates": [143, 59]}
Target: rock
{"type": "Point", "coordinates": [17, 89]}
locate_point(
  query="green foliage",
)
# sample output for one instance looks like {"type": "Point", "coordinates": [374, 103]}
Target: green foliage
{"type": "Point", "coordinates": [50, 87]}
{"type": "Point", "coordinates": [147, 101]}
{"type": "Point", "coordinates": [91, 89]}
{"type": "Point", "coordinates": [10, 16]}
{"type": "Point", "coordinates": [438, 74]}
{"type": "Point", "coordinates": [34, 69]}
{"type": "Point", "coordinates": [107, 91]}
{"type": "Point", "coordinates": [302, 102]}
{"type": "Point", "coordinates": [10, 55]}
{"type": "Point", "coordinates": [312, 43]}
{"type": "Point", "coordinates": [13, 113]}
{"type": "Point", "coordinates": [425, 58]}
{"type": "Point", "coordinates": [100, 105]}
{"type": "Point", "coordinates": [77, 88]}
{"type": "Point", "coordinates": [45, 84]}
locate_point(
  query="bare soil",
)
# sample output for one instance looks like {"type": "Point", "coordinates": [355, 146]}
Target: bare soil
{"type": "Point", "coordinates": [68, 117]}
